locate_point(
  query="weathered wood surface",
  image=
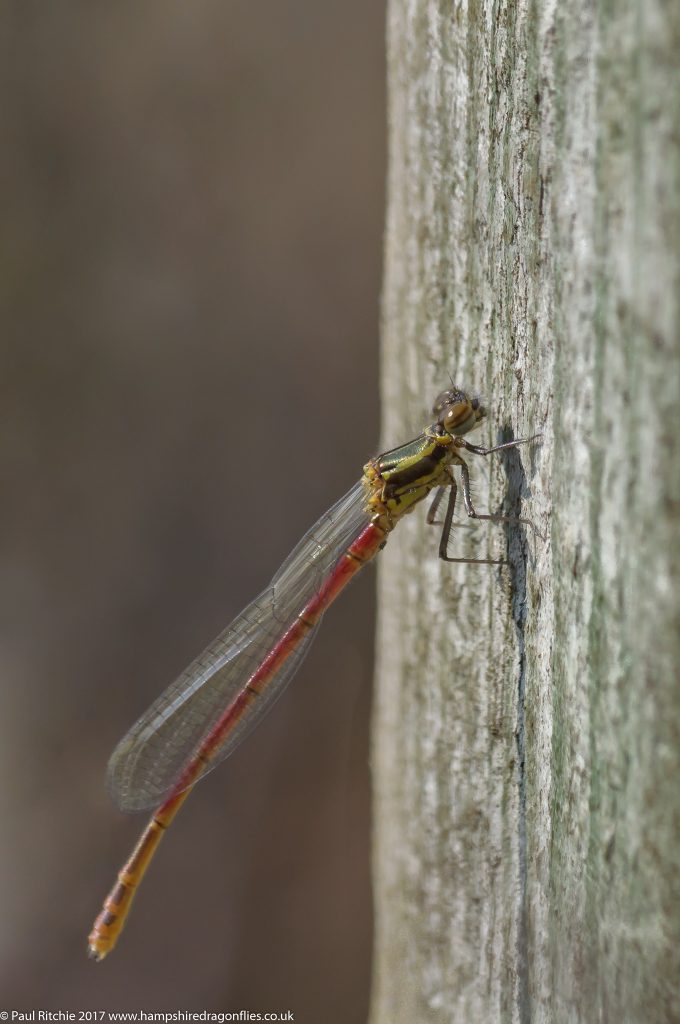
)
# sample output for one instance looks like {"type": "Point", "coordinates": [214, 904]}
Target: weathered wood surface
{"type": "Point", "coordinates": [526, 735]}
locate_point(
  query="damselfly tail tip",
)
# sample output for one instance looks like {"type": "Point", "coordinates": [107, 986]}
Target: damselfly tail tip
{"type": "Point", "coordinates": [98, 946]}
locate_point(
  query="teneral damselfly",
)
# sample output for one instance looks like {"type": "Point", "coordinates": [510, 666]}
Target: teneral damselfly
{"type": "Point", "coordinates": [213, 705]}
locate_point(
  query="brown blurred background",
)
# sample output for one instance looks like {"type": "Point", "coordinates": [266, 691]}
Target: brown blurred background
{"type": "Point", "coordinates": [193, 207]}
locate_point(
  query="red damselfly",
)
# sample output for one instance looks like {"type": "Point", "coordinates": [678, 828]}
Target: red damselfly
{"type": "Point", "coordinates": [213, 705]}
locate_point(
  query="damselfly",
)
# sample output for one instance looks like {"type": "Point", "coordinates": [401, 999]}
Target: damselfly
{"type": "Point", "coordinates": [204, 715]}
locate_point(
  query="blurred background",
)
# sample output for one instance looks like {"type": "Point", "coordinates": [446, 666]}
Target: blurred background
{"type": "Point", "coordinates": [193, 210]}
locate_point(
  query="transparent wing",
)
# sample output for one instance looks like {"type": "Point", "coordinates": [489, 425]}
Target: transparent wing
{"type": "Point", "coordinates": [147, 763]}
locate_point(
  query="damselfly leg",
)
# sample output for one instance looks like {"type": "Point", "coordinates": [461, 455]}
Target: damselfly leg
{"type": "Point", "coordinates": [467, 500]}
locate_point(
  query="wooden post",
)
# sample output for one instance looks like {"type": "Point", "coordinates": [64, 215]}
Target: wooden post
{"type": "Point", "coordinates": [527, 722]}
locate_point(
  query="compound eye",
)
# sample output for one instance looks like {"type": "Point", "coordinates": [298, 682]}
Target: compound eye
{"type": "Point", "coordinates": [441, 401]}
{"type": "Point", "coordinates": [475, 404]}
{"type": "Point", "coordinates": [455, 416]}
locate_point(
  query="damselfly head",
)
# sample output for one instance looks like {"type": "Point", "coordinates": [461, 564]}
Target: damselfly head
{"type": "Point", "coordinates": [457, 412]}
